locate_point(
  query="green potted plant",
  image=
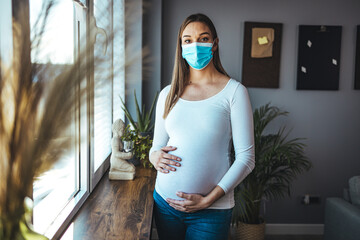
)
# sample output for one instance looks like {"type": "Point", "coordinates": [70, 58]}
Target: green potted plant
{"type": "Point", "coordinates": [143, 124]}
{"type": "Point", "coordinates": [143, 130]}
{"type": "Point", "coordinates": [141, 145]}
{"type": "Point", "coordinates": [128, 138]}
{"type": "Point", "coordinates": [277, 163]}
{"type": "Point", "coordinates": [141, 150]}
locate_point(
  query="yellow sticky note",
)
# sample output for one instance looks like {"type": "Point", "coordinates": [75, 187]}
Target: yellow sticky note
{"type": "Point", "coordinates": [263, 40]}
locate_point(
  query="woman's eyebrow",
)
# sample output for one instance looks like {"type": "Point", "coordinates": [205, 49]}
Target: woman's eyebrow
{"type": "Point", "coordinates": [204, 33]}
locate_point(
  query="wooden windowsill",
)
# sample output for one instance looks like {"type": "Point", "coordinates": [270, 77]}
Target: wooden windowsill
{"type": "Point", "coordinates": [117, 210]}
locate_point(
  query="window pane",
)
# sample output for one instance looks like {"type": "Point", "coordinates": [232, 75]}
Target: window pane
{"type": "Point", "coordinates": [119, 59]}
{"type": "Point", "coordinates": [53, 189]}
{"type": "Point", "coordinates": [103, 91]}
{"type": "Point", "coordinates": [57, 45]}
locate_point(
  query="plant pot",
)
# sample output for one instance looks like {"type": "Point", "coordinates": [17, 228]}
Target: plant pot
{"type": "Point", "coordinates": [245, 231]}
{"type": "Point", "coordinates": [128, 145]}
{"type": "Point", "coordinates": [135, 161]}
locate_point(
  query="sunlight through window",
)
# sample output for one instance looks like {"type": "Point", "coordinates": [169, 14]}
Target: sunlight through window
{"type": "Point", "coordinates": [53, 189]}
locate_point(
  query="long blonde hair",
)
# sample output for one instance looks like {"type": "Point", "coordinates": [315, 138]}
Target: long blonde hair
{"type": "Point", "coordinates": [181, 71]}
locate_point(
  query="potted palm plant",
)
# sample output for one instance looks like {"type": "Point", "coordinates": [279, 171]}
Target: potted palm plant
{"type": "Point", "coordinates": [278, 162]}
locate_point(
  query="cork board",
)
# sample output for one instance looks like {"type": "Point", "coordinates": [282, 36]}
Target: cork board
{"type": "Point", "coordinates": [263, 69]}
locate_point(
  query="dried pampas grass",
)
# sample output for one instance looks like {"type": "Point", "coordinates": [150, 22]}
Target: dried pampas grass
{"type": "Point", "coordinates": [34, 116]}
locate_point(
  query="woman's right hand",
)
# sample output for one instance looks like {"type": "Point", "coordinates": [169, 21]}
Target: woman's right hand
{"type": "Point", "coordinates": [163, 161]}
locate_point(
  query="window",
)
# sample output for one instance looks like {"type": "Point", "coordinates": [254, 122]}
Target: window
{"type": "Point", "coordinates": [59, 193]}
{"type": "Point", "coordinates": [53, 190]}
{"type": "Point", "coordinates": [103, 94]}
{"type": "Point", "coordinates": [106, 102]}
{"type": "Point", "coordinates": [118, 58]}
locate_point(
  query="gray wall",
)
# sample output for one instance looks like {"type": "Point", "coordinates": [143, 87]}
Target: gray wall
{"type": "Point", "coordinates": [330, 120]}
{"type": "Point", "coordinates": [152, 12]}
{"type": "Point", "coordinates": [133, 53]}
{"type": "Point", "coordinates": [143, 51]}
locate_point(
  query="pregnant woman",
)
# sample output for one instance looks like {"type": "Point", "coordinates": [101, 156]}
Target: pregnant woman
{"type": "Point", "coordinates": [198, 117]}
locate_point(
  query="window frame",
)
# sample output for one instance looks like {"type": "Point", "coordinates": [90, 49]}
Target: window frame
{"type": "Point", "coordinates": [84, 119]}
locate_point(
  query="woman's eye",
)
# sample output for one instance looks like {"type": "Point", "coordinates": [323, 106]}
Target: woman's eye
{"type": "Point", "coordinates": [205, 39]}
{"type": "Point", "coordinates": [187, 41]}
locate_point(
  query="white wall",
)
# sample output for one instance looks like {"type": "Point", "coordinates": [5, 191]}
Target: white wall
{"type": "Point", "coordinates": [330, 120]}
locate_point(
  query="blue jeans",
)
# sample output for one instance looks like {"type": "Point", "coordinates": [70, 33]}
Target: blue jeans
{"type": "Point", "coordinates": [207, 224]}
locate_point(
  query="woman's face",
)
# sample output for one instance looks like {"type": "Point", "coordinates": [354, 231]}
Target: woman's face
{"type": "Point", "coordinates": [196, 32]}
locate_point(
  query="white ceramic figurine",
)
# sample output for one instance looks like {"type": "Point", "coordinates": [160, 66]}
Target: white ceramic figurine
{"type": "Point", "coordinates": [120, 168]}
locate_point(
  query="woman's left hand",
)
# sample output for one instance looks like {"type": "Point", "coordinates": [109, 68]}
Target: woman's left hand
{"type": "Point", "coordinates": [191, 202]}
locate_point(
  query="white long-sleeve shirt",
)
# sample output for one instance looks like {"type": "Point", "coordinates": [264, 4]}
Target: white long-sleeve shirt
{"type": "Point", "coordinates": [202, 132]}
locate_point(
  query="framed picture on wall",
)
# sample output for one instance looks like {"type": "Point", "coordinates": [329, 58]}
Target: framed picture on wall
{"type": "Point", "coordinates": [357, 60]}
{"type": "Point", "coordinates": [261, 54]}
{"type": "Point", "coordinates": [318, 57]}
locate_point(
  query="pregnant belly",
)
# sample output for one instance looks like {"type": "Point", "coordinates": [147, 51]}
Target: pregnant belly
{"type": "Point", "coordinates": [200, 172]}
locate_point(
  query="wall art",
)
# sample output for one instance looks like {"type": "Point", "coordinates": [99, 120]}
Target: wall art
{"type": "Point", "coordinates": [261, 54]}
{"type": "Point", "coordinates": [318, 57]}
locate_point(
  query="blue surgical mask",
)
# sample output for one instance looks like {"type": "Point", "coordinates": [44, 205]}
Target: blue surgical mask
{"type": "Point", "coordinates": [197, 55]}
